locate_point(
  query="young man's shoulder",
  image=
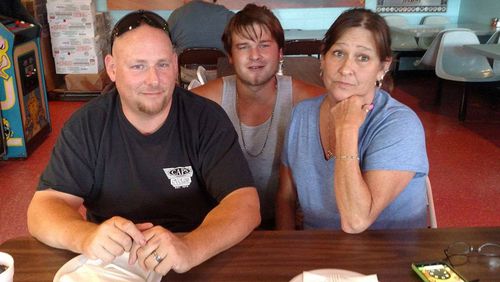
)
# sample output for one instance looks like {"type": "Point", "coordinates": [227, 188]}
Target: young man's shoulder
{"type": "Point", "coordinates": [303, 90]}
{"type": "Point", "coordinates": [211, 90]}
{"type": "Point", "coordinates": [198, 105]}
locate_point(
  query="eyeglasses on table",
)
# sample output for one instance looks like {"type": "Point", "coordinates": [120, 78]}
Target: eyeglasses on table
{"type": "Point", "coordinates": [458, 253]}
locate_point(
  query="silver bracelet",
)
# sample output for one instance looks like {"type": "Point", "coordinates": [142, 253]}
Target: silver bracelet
{"type": "Point", "coordinates": [347, 158]}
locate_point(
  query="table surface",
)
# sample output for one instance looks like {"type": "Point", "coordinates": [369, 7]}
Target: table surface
{"type": "Point", "coordinates": [293, 34]}
{"type": "Point", "coordinates": [488, 50]}
{"type": "Point", "coordinates": [433, 30]}
{"type": "Point", "coordinates": [281, 255]}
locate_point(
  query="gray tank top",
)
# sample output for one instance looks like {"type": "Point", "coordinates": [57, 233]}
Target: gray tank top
{"type": "Point", "coordinates": [265, 166]}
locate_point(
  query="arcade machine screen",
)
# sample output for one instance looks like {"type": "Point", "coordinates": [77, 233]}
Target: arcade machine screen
{"type": "Point", "coordinates": [35, 113]}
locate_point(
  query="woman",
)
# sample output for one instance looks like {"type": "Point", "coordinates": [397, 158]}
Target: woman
{"type": "Point", "coordinates": [354, 158]}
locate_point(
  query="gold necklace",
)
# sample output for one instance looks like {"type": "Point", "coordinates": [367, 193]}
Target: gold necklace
{"type": "Point", "coordinates": [268, 128]}
{"type": "Point", "coordinates": [329, 152]}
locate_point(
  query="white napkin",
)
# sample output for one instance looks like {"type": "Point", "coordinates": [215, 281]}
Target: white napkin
{"type": "Point", "coordinates": [117, 271]}
{"type": "Point", "coordinates": [313, 277]}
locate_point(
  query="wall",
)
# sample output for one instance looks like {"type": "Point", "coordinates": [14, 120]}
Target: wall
{"type": "Point", "coordinates": [470, 11]}
{"type": "Point", "coordinates": [320, 18]}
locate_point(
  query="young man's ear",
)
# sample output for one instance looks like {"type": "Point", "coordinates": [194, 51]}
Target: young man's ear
{"type": "Point", "coordinates": [109, 61]}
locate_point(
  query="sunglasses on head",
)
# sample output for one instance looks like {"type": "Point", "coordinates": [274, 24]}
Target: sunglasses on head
{"type": "Point", "coordinates": [134, 20]}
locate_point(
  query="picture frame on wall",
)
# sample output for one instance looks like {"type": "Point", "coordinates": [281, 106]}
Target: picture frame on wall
{"type": "Point", "coordinates": [413, 6]}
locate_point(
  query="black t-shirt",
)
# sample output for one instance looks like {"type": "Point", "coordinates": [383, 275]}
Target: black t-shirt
{"type": "Point", "coordinates": [172, 177]}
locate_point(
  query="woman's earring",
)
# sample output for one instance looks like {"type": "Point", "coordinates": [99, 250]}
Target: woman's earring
{"type": "Point", "coordinates": [379, 82]}
{"type": "Point", "coordinates": [321, 73]}
{"type": "Point", "coordinates": [280, 67]}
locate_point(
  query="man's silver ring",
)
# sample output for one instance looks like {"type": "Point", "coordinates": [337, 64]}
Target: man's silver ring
{"type": "Point", "coordinates": [157, 257]}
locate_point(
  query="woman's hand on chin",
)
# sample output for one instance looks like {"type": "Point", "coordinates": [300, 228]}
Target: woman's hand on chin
{"type": "Point", "coordinates": [350, 112]}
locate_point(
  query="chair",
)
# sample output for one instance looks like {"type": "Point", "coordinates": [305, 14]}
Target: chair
{"type": "Point", "coordinates": [303, 47]}
{"type": "Point", "coordinates": [430, 204]}
{"type": "Point", "coordinates": [495, 38]}
{"type": "Point", "coordinates": [191, 58]}
{"type": "Point", "coordinates": [201, 78]}
{"type": "Point", "coordinates": [193, 84]}
{"type": "Point", "coordinates": [455, 63]}
{"type": "Point", "coordinates": [428, 60]}
{"type": "Point", "coordinates": [435, 20]}
{"type": "Point", "coordinates": [496, 65]}
{"type": "Point", "coordinates": [402, 45]}
{"type": "Point", "coordinates": [401, 41]}
{"type": "Point", "coordinates": [395, 20]}
{"type": "Point", "coordinates": [425, 42]}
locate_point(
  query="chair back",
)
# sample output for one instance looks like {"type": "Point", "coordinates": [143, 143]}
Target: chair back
{"type": "Point", "coordinates": [193, 84]}
{"type": "Point", "coordinates": [201, 78]}
{"type": "Point", "coordinates": [192, 58]}
{"type": "Point", "coordinates": [201, 74]}
{"type": "Point", "coordinates": [495, 38]}
{"type": "Point", "coordinates": [496, 67]}
{"type": "Point", "coordinates": [430, 204]}
{"type": "Point", "coordinates": [395, 20]}
{"type": "Point", "coordinates": [425, 42]}
{"type": "Point", "coordinates": [455, 63]}
{"type": "Point", "coordinates": [428, 60]}
{"type": "Point", "coordinates": [496, 63]}
{"type": "Point", "coordinates": [303, 47]}
{"type": "Point", "coordinates": [400, 41]}
{"type": "Point", "coordinates": [435, 20]}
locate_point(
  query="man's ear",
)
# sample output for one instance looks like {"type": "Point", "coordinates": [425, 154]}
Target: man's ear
{"type": "Point", "coordinates": [109, 61]}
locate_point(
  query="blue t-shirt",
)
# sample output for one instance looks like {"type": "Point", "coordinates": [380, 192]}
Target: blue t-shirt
{"type": "Point", "coordinates": [391, 138]}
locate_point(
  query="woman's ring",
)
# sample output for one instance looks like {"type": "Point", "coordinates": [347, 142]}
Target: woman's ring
{"type": "Point", "coordinates": [157, 257]}
{"type": "Point", "coordinates": [367, 107]}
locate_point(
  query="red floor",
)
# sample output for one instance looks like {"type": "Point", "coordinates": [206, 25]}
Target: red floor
{"type": "Point", "coordinates": [464, 158]}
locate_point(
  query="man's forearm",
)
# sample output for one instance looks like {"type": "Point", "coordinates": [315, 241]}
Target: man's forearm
{"type": "Point", "coordinates": [226, 225]}
{"type": "Point", "coordinates": [57, 224]}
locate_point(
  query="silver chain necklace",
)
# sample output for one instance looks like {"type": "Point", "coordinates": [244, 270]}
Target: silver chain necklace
{"type": "Point", "coordinates": [268, 128]}
{"type": "Point", "coordinates": [329, 152]}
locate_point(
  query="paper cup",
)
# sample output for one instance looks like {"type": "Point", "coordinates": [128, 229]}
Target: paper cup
{"type": "Point", "coordinates": [8, 274]}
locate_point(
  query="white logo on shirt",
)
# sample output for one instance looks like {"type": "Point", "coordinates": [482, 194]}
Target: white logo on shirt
{"type": "Point", "coordinates": [180, 177]}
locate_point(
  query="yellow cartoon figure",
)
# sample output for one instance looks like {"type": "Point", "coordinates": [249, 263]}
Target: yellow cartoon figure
{"type": "Point", "coordinates": [7, 132]}
{"type": "Point", "coordinates": [4, 59]}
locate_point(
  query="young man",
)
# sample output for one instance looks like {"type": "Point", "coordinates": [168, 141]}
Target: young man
{"type": "Point", "coordinates": [146, 159]}
{"type": "Point", "coordinates": [258, 101]}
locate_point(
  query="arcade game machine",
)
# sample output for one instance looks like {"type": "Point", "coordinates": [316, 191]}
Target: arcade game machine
{"type": "Point", "coordinates": [2, 136]}
{"type": "Point", "coordinates": [23, 95]}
